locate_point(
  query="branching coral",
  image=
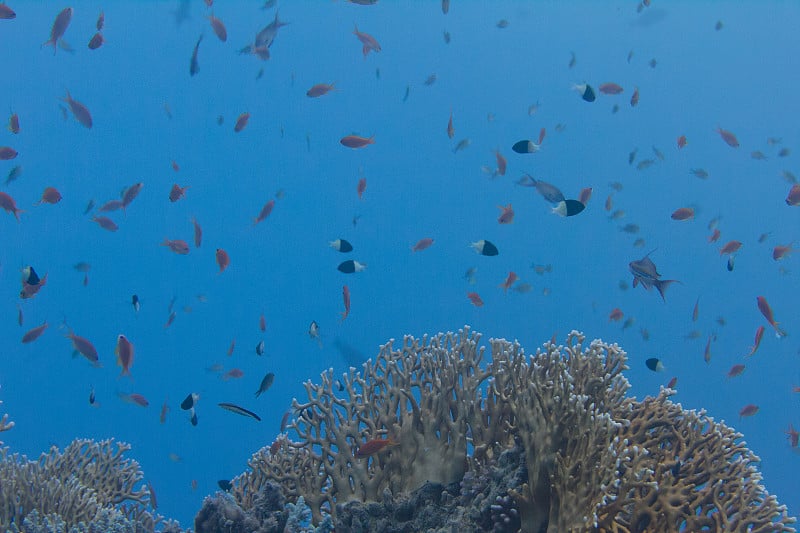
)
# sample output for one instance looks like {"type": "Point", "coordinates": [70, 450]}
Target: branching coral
{"type": "Point", "coordinates": [5, 423]}
{"type": "Point", "coordinates": [87, 478]}
{"type": "Point", "coordinates": [594, 459]}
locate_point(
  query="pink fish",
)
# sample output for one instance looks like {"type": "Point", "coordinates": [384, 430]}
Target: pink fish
{"type": "Point", "coordinates": [60, 25]}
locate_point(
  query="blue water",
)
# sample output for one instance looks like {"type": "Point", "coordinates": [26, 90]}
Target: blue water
{"type": "Point", "coordinates": [741, 78]}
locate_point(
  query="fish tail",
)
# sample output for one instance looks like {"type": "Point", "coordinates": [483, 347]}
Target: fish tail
{"type": "Point", "coordinates": [662, 285]}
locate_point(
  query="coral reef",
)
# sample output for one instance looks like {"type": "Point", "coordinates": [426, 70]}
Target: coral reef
{"type": "Point", "coordinates": [5, 423]}
{"type": "Point", "coordinates": [88, 487]}
{"type": "Point", "coordinates": [531, 443]}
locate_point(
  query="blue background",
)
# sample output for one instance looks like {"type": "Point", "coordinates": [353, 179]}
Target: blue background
{"type": "Point", "coordinates": [742, 78]}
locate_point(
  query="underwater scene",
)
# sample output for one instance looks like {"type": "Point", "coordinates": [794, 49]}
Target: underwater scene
{"type": "Point", "coordinates": [361, 265]}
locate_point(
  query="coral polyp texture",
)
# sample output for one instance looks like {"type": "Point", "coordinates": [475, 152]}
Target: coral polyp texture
{"type": "Point", "coordinates": [511, 442]}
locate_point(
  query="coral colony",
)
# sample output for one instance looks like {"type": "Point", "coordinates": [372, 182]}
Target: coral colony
{"type": "Point", "coordinates": [430, 436]}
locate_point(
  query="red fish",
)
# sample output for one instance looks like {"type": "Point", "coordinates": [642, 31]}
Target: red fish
{"type": "Point", "coordinates": [130, 194]}
{"type": "Point", "coordinates": [355, 141]}
{"type": "Point", "coordinates": [320, 89]}
{"type": "Point", "coordinates": [59, 27]}
{"type": "Point", "coordinates": [696, 310]}
{"type": "Point", "coordinates": [177, 192]}
{"type": "Point", "coordinates": [170, 319]}
{"type": "Point", "coordinates": [501, 163]}
{"type": "Point", "coordinates": [50, 196]}
{"type": "Point", "coordinates": [101, 21]}
{"type": "Point", "coordinates": [731, 247]}
{"type": "Point", "coordinates": [422, 244]}
{"type": "Point", "coordinates": [681, 141]}
{"type": "Point", "coordinates": [450, 130]}
{"type": "Point", "coordinates": [7, 153]}
{"type": "Point", "coordinates": [124, 352]}
{"type": "Point", "coordinates": [96, 41]}
{"type": "Point", "coordinates": [615, 315]}
{"type": "Point", "coordinates": [506, 214]}
{"type": "Point", "coordinates": [728, 137]}
{"type": "Point", "coordinates": [13, 122]}
{"type": "Point", "coordinates": [79, 111]}
{"type": "Point", "coordinates": [672, 383]}
{"type": "Point", "coordinates": [346, 299]}
{"type": "Point", "coordinates": [8, 203]}
{"type": "Point", "coordinates": [111, 205]}
{"type": "Point", "coordinates": [368, 41]}
{"type": "Point", "coordinates": [162, 417]}
{"type": "Point", "coordinates": [748, 410]}
{"type": "Point", "coordinates": [510, 279]}
{"type": "Point", "coordinates": [219, 28]}
{"type": "Point", "coordinates": [609, 203]}
{"type": "Point", "coordinates": [177, 246]}
{"type": "Point", "coordinates": [222, 259]}
{"type": "Point", "coordinates": [374, 446]}
{"type": "Point", "coordinates": [781, 251]}
{"type": "Point", "coordinates": [362, 186]}
{"type": "Point", "coordinates": [83, 346]}
{"type": "Point", "coordinates": [585, 195]}
{"type": "Point", "coordinates": [34, 333]}
{"type": "Point", "coordinates": [134, 398]}
{"type": "Point", "coordinates": [610, 88]}
{"type": "Point", "coordinates": [635, 97]}
{"type": "Point", "coordinates": [683, 213]}
{"type": "Point", "coordinates": [175, 166]}
{"type": "Point", "coordinates": [757, 343]}
{"type": "Point", "coordinates": [766, 310]}
{"type": "Point", "coordinates": [231, 347]}
{"type": "Point", "coordinates": [241, 122]}
{"type": "Point", "coordinates": [265, 212]}
{"type": "Point", "coordinates": [735, 370]}
{"type": "Point", "coordinates": [714, 237]}
{"type": "Point", "coordinates": [542, 133]}
{"type": "Point", "coordinates": [794, 436]}
{"type": "Point", "coordinates": [6, 13]}
{"type": "Point", "coordinates": [233, 373]}
{"type": "Point", "coordinates": [793, 198]}
{"type": "Point", "coordinates": [106, 223]}
{"type": "Point", "coordinates": [198, 233]}
{"type": "Point", "coordinates": [475, 299]}
{"type": "Point", "coordinates": [262, 323]}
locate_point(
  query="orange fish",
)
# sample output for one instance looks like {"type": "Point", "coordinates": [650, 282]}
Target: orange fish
{"type": "Point", "coordinates": [233, 373]}
{"type": "Point", "coordinates": [757, 343]}
{"type": "Point", "coordinates": [542, 133]}
{"type": "Point", "coordinates": [34, 333]}
{"type": "Point", "coordinates": [780, 251]}
{"type": "Point", "coordinates": [728, 137]}
{"type": "Point", "coordinates": [672, 383]}
{"type": "Point", "coordinates": [262, 323]}
{"type": "Point", "coordinates": [135, 398]}
{"type": "Point", "coordinates": [635, 97]}
{"type": "Point", "coordinates": [13, 123]}
{"type": "Point", "coordinates": [714, 237]}
{"type": "Point", "coordinates": [60, 25]}
{"type": "Point", "coordinates": [320, 89]}
{"type": "Point", "coordinates": [794, 436]}
{"type": "Point", "coordinates": [475, 299]}
{"type": "Point", "coordinates": [177, 192]}
{"type": "Point", "coordinates": [368, 41]}
{"type": "Point", "coordinates": [610, 88]}
{"type": "Point", "coordinates": [735, 370]}
{"type": "Point", "coordinates": [793, 198]}
{"type": "Point", "coordinates": [510, 279]}
{"type": "Point", "coordinates": [222, 259]}
{"type": "Point", "coordinates": [96, 41]}
{"type": "Point", "coordinates": [346, 299]}
{"type": "Point", "coordinates": [766, 310]}
{"type": "Point", "coordinates": [681, 141]}
{"type": "Point", "coordinates": [177, 246]}
{"type": "Point", "coordinates": [354, 141]}
{"type": "Point", "coordinates": [506, 214]}
{"type": "Point", "coordinates": [615, 315]}
{"type": "Point", "coordinates": [241, 122]}
{"type": "Point", "coordinates": [106, 223]}
{"type": "Point", "coordinates": [450, 129]}
{"type": "Point", "coordinates": [683, 213]}
{"type": "Point", "coordinates": [362, 186]}
{"type": "Point", "coordinates": [265, 212]}
{"type": "Point", "coordinates": [422, 244]}
{"type": "Point", "coordinates": [585, 195]}
{"type": "Point", "coordinates": [198, 233]}
{"type": "Point", "coordinates": [8, 203]}
{"type": "Point", "coordinates": [219, 28]}
{"type": "Point", "coordinates": [374, 446]}
{"type": "Point", "coordinates": [731, 247]}
{"type": "Point", "coordinates": [124, 352]}
{"type": "Point", "coordinates": [162, 417]}
{"type": "Point", "coordinates": [79, 111]}
{"type": "Point", "coordinates": [7, 153]}
{"type": "Point", "coordinates": [748, 410]}
{"type": "Point", "coordinates": [501, 163]}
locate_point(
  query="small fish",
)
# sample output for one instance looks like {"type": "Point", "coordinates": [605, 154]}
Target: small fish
{"type": "Point", "coordinates": [506, 214]}
{"type": "Point", "coordinates": [585, 90]}
{"type": "Point", "coordinates": [223, 260]}
{"type": "Point", "coordinates": [699, 172]}
{"type": "Point", "coordinates": [707, 351]}
{"type": "Point", "coordinates": [793, 436]}
{"type": "Point", "coordinates": [93, 399]}
{"type": "Point", "coordinates": [781, 251]}
{"type": "Point", "coordinates": [683, 213]}
{"type": "Point", "coordinates": [369, 43]}
{"type": "Point", "coordinates": [469, 275]}
{"type": "Point", "coordinates": [266, 383]}
{"type": "Point", "coordinates": [446, 36]}
{"type": "Point", "coordinates": [373, 447]}
{"type": "Point", "coordinates": [793, 198]}
{"type": "Point", "coordinates": [194, 66]}
{"type": "Point", "coordinates": [356, 141]}
{"type": "Point", "coordinates": [568, 208]}
{"type": "Point", "coordinates": [260, 347]}
{"type": "Point", "coordinates": [341, 245]}
{"type": "Point", "coordinates": [509, 281]}
{"type": "Point", "coordinates": [525, 147]}
{"type": "Point", "coordinates": [748, 410]}
{"type": "Point", "coordinates": [655, 364]}
{"type": "Point", "coordinates": [313, 332]}
{"type": "Point", "coordinates": [134, 398]}
{"type": "Point", "coordinates": [610, 88]}
{"type": "Point", "coordinates": [615, 315]}
{"type": "Point", "coordinates": [430, 80]}
{"type": "Point", "coordinates": [225, 485]}
{"type": "Point", "coordinates": [635, 97]}
{"type": "Point", "coordinates": [572, 60]}
{"type": "Point", "coordinates": [766, 310]}
{"type": "Point", "coordinates": [125, 354]}
{"type": "Point", "coordinates": [502, 23]}
{"type": "Point", "coordinates": [35, 333]}
{"type": "Point", "coordinates": [407, 93]}
{"type": "Point", "coordinates": [162, 417]}
{"type": "Point", "coordinates": [219, 28]}
{"type": "Point", "coordinates": [475, 299]}
{"type": "Point", "coordinates": [79, 111]}
{"type": "Point", "coordinates": [233, 373]}
{"type": "Point", "coordinates": [241, 122]}
{"type": "Point", "coordinates": [484, 247]}
{"type": "Point", "coordinates": [422, 244]}
{"type": "Point", "coordinates": [346, 300]}
{"type": "Point", "coordinates": [60, 25]}
{"type": "Point", "coordinates": [450, 130]}
{"type": "Point", "coordinates": [177, 246]}
{"type": "Point", "coordinates": [351, 266]}
{"type": "Point", "coordinates": [233, 408]}
{"type": "Point", "coordinates": [198, 233]}
{"type": "Point", "coordinates": [757, 342]}
{"type": "Point", "coordinates": [735, 370]}
{"type": "Point", "coordinates": [681, 141]}
{"type": "Point", "coordinates": [728, 137]}
{"type": "Point", "coordinates": [135, 303]}
{"type": "Point", "coordinates": [320, 89]}
{"type": "Point", "coordinates": [463, 143]}
{"type": "Point", "coordinates": [96, 41]}
{"type": "Point", "coordinates": [16, 172]}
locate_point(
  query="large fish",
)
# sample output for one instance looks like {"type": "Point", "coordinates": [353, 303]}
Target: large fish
{"type": "Point", "coordinates": [644, 272]}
